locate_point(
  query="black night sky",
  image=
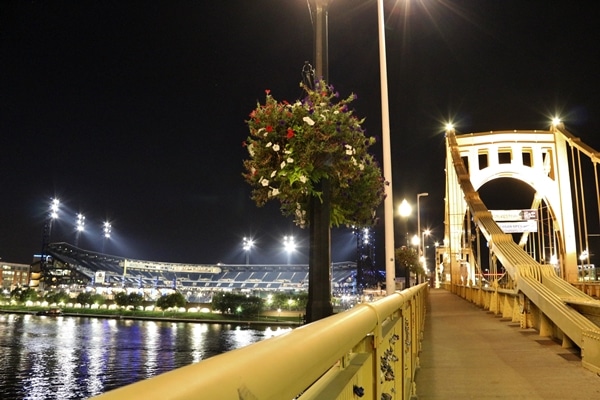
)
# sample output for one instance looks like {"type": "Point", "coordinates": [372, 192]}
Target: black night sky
{"type": "Point", "coordinates": [133, 111]}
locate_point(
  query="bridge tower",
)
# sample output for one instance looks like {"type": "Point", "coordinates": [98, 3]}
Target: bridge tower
{"type": "Point", "coordinates": [537, 158]}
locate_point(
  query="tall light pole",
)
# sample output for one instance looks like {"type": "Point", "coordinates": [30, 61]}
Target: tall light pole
{"type": "Point", "coordinates": [47, 233]}
{"type": "Point", "coordinates": [247, 246]}
{"type": "Point", "coordinates": [404, 210]}
{"type": "Point", "coordinates": [419, 219]}
{"type": "Point", "coordinates": [106, 230]}
{"type": "Point", "coordinates": [426, 232]}
{"type": "Point", "coordinates": [79, 227]}
{"type": "Point", "coordinates": [319, 258]}
{"type": "Point", "coordinates": [388, 202]}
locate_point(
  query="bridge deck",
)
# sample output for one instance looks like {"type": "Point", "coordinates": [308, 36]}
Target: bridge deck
{"type": "Point", "coordinates": [469, 353]}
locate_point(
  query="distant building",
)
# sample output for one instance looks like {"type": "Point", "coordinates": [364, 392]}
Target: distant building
{"type": "Point", "coordinates": [13, 275]}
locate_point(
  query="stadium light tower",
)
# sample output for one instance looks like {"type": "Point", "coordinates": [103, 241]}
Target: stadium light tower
{"type": "Point", "coordinates": [106, 229]}
{"type": "Point", "coordinates": [247, 246]}
{"type": "Point", "coordinates": [289, 245]}
{"type": "Point", "coordinates": [79, 227]}
{"type": "Point", "coordinates": [52, 215]}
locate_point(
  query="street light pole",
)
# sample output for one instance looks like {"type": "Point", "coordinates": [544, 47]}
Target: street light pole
{"type": "Point", "coordinates": [388, 201]}
{"type": "Point", "coordinates": [319, 264]}
{"type": "Point", "coordinates": [420, 249]}
{"type": "Point", "coordinates": [404, 210]}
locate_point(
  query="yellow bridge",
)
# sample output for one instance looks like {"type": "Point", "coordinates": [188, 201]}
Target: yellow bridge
{"type": "Point", "coordinates": [429, 343]}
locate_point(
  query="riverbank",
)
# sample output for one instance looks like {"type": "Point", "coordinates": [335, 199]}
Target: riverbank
{"type": "Point", "coordinates": [170, 317]}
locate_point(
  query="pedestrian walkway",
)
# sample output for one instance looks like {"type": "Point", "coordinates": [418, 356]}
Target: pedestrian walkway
{"type": "Point", "coordinates": [469, 353]}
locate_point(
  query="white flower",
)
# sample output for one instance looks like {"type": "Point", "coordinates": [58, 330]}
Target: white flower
{"type": "Point", "coordinates": [349, 152]}
{"type": "Point", "coordinates": [336, 112]}
{"type": "Point", "coordinates": [353, 160]}
{"type": "Point", "coordinates": [308, 120]}
{"type": "Point", "coordinates": [324, 117]}
{"type": "Point", "coordinates": [302, 179]}
{"type": "Point", "coordinates": [287, 151]}
{"type": "Point", "coordinates": [361, 166]}
{"type": "Point", "coordinates": [273, 173]}
{"type": "Point", "coordinates": [269, 144]}
{"type": "Point", "coordinates": [274, 192]}
{"type": "Point", "coordinates": [290, 160]}
{"type": "Point", "coordinates": [264, 182]}
{"type": "Point", "coordinates": [251, 149]}
{"type": "Point", "coordinates": [282, 165]}
{"type": "Point", "coordinates": [276, 147]}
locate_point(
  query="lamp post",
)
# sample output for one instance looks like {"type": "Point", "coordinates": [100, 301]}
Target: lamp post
{"type": "Point", "coordinates": [420, 249]}
{"type": "Point", "coordinates": [388, 202]}
{"type": "Point", "coordinates": [404, 210]}
{"type": "Point", "coordinates": [247, 246]}
{"type": "Point", "coordinates": [423, 259]}
{"type": "Point", "coordinates": [47, 233]}
{"type": "Point", "coordinates": [319, 263]}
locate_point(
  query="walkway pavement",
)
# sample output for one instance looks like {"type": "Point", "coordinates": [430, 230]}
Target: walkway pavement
{"type": "Point", "coordinates": [469, 353]}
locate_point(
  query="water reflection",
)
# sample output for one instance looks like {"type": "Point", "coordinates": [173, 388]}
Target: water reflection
{"type": "Point", "coordinates": [75, 358]}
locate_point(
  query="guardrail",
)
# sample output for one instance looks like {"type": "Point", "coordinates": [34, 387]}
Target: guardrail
{"type": "Point", "coordinates": [370, 352]}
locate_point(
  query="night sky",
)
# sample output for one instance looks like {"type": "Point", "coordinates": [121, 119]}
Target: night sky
{"type": "Point", "coordinates": [134, 112]}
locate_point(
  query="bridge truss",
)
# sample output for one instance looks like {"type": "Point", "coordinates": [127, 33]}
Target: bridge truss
{"type": "Point", "coordinates": [530, 277]}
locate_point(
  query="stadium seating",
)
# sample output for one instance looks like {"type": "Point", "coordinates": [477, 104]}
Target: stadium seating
{"type": "Point", "coordinates": [195, 281]}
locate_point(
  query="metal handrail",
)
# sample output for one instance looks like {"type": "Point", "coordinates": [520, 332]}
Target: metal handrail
{"type": "Point", "coordinates": [371, 349]}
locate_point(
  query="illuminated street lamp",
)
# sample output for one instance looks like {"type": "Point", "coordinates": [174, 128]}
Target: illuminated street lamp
{"type": "Point", "coordinates": [247, 246]}
{"type": "Point", "coordinates": [423, 258]}
{"type": "Point", "coordinates": [420, 249]}
{"type": "Point", "coordinates": [289, 245]}
{"type": "Point", "coordinates": [404, 210]}
{"type": "Point", "coordinates": [79, 227]}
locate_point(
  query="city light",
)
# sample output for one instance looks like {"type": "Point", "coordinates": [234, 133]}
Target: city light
{"type": "Point", "coordinates": [247, 244]}
{"type": "Point", "coordinates": [54, 208]}
{"type": "Point", "coordinates": [107, 229]}
{"type": "Point", "coordinates": [289, 246]}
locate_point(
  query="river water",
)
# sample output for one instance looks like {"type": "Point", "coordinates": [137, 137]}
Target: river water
{"type": "Point", "coordinates": [77, 357]}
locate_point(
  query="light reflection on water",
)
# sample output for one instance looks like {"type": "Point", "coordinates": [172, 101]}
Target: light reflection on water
{"type": "Point", "coordinates": [76, 358]}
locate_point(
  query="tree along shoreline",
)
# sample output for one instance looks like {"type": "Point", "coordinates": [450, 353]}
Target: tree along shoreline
{"type": "Point", "coordinates": [168, 316]}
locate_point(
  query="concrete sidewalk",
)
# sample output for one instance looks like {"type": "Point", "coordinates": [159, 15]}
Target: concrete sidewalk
{"type": "Point", "coordinates": [469, 353]}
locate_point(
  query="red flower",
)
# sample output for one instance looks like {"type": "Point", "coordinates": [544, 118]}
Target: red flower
{"type": "Point", "coordinates": [269, 128]}
{"type": "Point", "coordinates": [290, 133]}
{"type": "Point", "coordinates": [244, 144]}
{"type": "Point", "coordinates": [267, 91]}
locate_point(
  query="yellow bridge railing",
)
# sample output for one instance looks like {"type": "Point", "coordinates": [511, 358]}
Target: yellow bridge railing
{"type": "Point", "coordinates": [370, 352]}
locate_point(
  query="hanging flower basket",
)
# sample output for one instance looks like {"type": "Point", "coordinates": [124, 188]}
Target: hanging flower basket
{"type": "Point", "coordinates": [293, 146]}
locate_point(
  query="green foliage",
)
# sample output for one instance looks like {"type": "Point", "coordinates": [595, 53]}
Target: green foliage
{"type": "Point", "coordinates": [98, 299]}
{"type": "Point", "coordinates": [408, 257]}
{"type": "Point", "coordinates": [23, 295]}
{"type": "Point", "coordinates": [121, 299]}
{"type": "Point", "coordinates": [135, 300]}
{"type": "Point", "coordinates": [85, 298]}
{"type": "Point", "coordinates": [57, 297]}
{"type": "Point", "coordinates": [237, 304]}
{"type": "Point", "coordinates": [171, 300]}
{"type": "Point", "coordinates": [288, 301]}
{"type": "Point", "coordinates": [293, 147]}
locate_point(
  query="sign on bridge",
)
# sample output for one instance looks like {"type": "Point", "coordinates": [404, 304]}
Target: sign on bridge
{"type": "Point", "coordinates": [516, 221]}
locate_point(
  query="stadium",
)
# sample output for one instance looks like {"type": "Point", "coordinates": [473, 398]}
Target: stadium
{"type": "Point", "coordinates": [69, 267]}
